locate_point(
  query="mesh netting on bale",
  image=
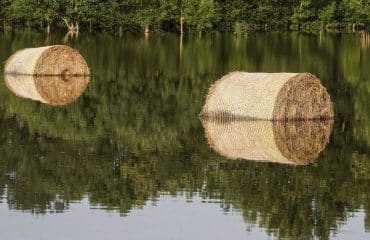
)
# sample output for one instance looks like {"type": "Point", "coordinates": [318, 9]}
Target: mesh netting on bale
{"type": "Point", "coordinates": [47, 61]}
{"type": "Point", "coordinates": [288, 142]}
{"type": "Point", "coordinates": [268, 96]}
{"type": "Point", "coordinates": [53, 90]}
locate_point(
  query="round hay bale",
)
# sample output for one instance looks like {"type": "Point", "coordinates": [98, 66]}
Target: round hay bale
{"type": "Point", "coordinates": [53, 90]}
{"type": "Point", "coordinates": [47, 61]}
{"type": "Point", "coordinates": [268, 96]}
{"type": "Point", "coordinates": [289, 142]}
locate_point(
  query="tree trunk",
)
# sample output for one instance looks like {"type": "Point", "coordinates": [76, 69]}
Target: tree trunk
{"type": "Point", "coordinates": [48, 27]}
{"type": "Point", "coordinates": [120, 31]}
{"type": "Point", "coordinates": [146, 30]}
{"type": "Point", "coordinates": [73, 27]}
{"type": "Point", "coordinates": [69, 26]}
{"type": "Point", "coordinates": [181, 24]}
{"type": "Point", "coordinates": [181, 47]}
{"type": "Point", "coordinates": [180, 57]}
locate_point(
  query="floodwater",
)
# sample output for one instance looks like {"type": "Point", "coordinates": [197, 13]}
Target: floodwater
{"type": "Point", "coordinates": [130, 159]}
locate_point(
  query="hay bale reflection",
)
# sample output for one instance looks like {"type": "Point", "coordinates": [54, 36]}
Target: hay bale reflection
{"type": "Point", "coordinates": [53, 90]}
{"type": "Point", "coordinates": [289, 142]}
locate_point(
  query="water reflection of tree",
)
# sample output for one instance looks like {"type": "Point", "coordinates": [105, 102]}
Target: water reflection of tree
{"type": "Point", "coordinates": [49, 174]}
{"type": "Point", "coordinates": [135, 134]}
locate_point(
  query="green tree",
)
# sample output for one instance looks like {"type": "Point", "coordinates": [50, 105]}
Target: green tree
{"type": "Point", "coordinates": [200, 15]}
{"type": "Point", "coordinates": [356, 12]}
{"type": "Point", "coordinates": [327, 14]}
{"type": "Point", "coordinates": [303, 14]}
{"type": "Point", "coordinates": [47, 10]}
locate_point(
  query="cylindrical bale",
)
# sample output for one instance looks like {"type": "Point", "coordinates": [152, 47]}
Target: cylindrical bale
{"type": "Point", "coordinates": [288, 142]}
{"type": "Point", "coordinates": [268, 96]}
{"type": "Point", "coordinates": [49, 60]}
{"type": "Point", "coordinates": [53, 90]}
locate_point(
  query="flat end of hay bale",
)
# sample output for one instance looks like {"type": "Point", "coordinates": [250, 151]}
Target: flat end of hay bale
{"type": "Point", "coordinates": [303, 97]}
{"type": "Point", "coordinates": [61, 60]}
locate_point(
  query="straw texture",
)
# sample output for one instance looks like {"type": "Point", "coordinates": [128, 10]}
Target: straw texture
{"type": "Point", "coordinates": [47, 61]}
{"type": "Point", "coordinates": [287, 142]}
{"type": "Point", "coordinates": [53, 90]}
{"type": "Point", "coordinates": [268, 96]}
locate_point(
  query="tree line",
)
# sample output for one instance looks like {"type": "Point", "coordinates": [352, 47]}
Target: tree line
{"type": "Point", "coordinates": [185, 15]}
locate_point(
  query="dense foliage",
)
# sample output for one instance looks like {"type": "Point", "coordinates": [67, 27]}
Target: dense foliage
{"type": "Point", "coordinates": [196, 15]}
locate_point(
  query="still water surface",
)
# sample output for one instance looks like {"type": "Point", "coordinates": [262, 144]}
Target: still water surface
{"type": "Point", "coordinates": [129, 158]}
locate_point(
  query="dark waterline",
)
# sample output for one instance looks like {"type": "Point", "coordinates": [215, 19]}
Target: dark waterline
{"type": "Point", "coordinates": [131, 150]}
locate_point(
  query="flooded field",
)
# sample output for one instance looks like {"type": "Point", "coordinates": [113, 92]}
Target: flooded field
{"type": "Point", "coordinates": [130, 157]}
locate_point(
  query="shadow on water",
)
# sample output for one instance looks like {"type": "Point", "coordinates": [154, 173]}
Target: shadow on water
{"type": "Point", "coordinates": [135, 133]}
